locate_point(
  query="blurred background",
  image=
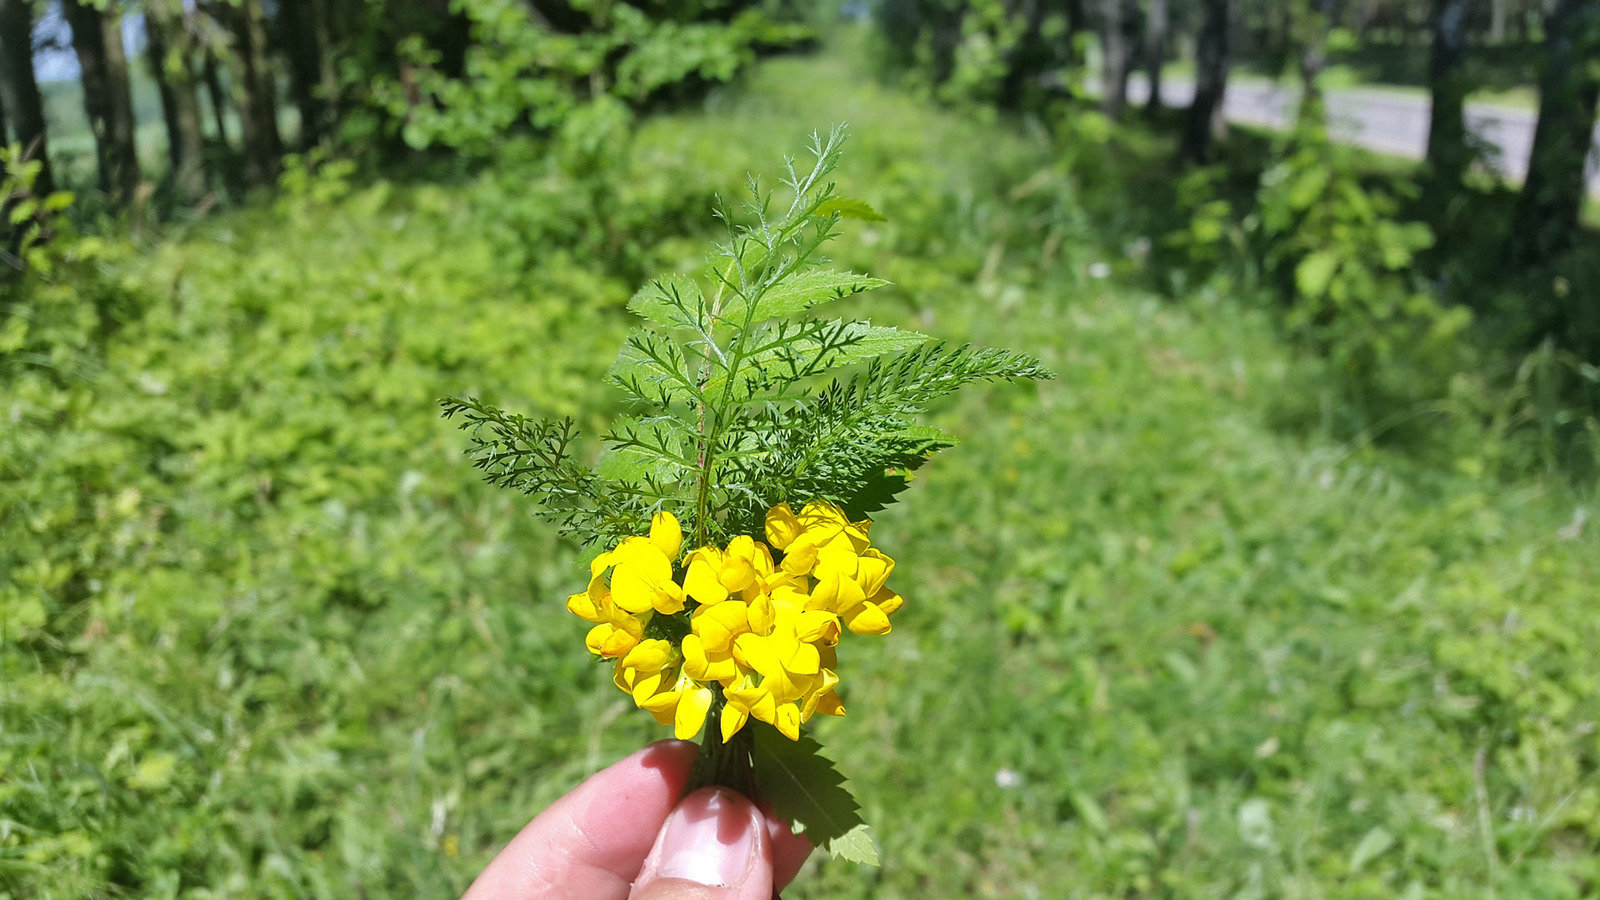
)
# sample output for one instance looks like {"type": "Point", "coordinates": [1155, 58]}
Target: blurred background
{"type": "Point", "coordinates": [1280, 590]}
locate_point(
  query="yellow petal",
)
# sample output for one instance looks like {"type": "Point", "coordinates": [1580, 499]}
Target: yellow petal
{"type": "Point", "coordinates": [787, 721]}
{"type": "Point", "coordinates": [762, 615]}
{"type": "Point", "coordinates": [636, 583]}
{"type": "Point", "coordinates": [737, 573]}
{"type": "Point", "coordinates": [665, 534]}
{"type": "Point", "coordinates": [801, 555]}
{"type": "Point", "coordinates": [828, 704]}
{"type": "Point", "coordinates": [583, 606]}
{"type": "Point", "coordinates": [720, 624]}
{"type": "Point", "coordinates": [755, 701]}
{"type": "Point", "coordinates": [691, 717]}
{"type": "Point", "coordinates": [758, 653]}
{"type": "Point", "coordinates": [733, 719]}
{"type": "Point", "coordinates": [817, 627]}
{"type": "Point", "coordinates": [701, 583]}
{"type": "Point", "coordinates": [596, 638]}
{"type": "Point", "coordinates": [783, 526]}
{"type": "Point", "coordinates": [804, 660]}
{"type": "Point", "coordinates": [668, 598]}
{"type": "Point", "coordinates": [888, 601]}
{"type": "Point", "coordinates": [873, 570]}
{"type": "Point", "coordinates": [618, 643]}
{"type": "Point", "coordinates": [867, 619]}
{"type": "Point", "coordinates": [663, 706]}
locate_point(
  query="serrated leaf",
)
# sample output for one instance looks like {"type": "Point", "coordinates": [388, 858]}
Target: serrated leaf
{"type": "Point", "coordinates": [856, 846]}
{"type": "Point", "coordinates": [672, 301]}
{"type": "Point", "coordinates": [805, 789]}
{"type": "Point", "coordinates": [851, 208]}
{"type": "Point", "coordinates": [801, 292]}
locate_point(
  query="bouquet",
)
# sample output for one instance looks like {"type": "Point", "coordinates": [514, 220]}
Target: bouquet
{"type": "Point", "coordinates": [729, 511]}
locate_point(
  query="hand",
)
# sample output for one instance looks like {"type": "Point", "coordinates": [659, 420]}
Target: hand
{"type": "Point", "coordinates": [623, 835]}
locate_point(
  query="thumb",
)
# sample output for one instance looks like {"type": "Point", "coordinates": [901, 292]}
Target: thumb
{"type": "Point", "coordinates": [714, 846]}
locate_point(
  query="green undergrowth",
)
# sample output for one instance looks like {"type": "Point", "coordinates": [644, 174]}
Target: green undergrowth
{"type": "Point", "coordinates": [266, 635]}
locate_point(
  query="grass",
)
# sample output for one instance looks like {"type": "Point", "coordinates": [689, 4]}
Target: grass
{"type": "Point", "coordinates": [265, 635]}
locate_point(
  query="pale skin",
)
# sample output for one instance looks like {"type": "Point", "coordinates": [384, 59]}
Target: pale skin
{"type": "Point", "coordinates": [625, 834]}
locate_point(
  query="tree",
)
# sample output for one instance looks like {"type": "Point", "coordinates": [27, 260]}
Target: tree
{"type": "Point", "coordinates": [303, 34]}
{"type": "Point", "coordinates": [107, 95]}
{"type": "Point", "coordinates": [1569, 89]}
{"type": "Point", "coordinates": [254, 88]}
{"type": "Point", "coordinates": [1447, 128]}
{"type": "Point", "coordinates": [1028, 57]}
{"type": "Point", "coordinates": [1205, 120]}
{"type": "Point", "coordinates": [1116, 52]}
{"type": "Point", "coordinates": [1317, 20]}
{"type": "Point", "coordinates": [1155, 50]}
{"type": "Point", "coordinates": [19, 88]}
{"type": "Point", "coordinates": [170, 55]}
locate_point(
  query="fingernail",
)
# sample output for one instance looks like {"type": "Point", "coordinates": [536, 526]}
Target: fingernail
{"type": "Point", "coordinates": [709, 839]}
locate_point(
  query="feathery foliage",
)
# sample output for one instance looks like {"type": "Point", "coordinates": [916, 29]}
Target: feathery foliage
{"type": "Point", "coordinates": [740, 397]}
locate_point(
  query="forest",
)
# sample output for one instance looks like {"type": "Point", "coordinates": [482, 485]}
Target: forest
{"type": "Point", "coordinates": [1277, 589]}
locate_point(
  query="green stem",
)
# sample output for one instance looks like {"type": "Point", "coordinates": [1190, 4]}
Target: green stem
{"type": "Point", "coordinates": [722, 764]}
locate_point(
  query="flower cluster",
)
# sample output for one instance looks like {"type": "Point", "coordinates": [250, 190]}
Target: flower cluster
{"type": "Point", "coordinates": [762, 618]}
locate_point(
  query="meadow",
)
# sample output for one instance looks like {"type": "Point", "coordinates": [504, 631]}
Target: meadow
{"type": "Point", "coordinates": [266, 635]}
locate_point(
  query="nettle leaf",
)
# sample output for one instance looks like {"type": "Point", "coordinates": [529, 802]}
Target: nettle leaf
{"type": "Point", "coordinates": [804, 788]}
{"type": "Point", "coordinates": [797, 293]}
{"type": "Point", "coordinates": [851, 208]}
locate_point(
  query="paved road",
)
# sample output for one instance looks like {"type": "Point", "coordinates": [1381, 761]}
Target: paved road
{"type": "Point", "coordinates": [1376, 120]}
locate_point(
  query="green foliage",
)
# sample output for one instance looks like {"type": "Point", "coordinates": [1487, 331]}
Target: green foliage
{"type": "Point", "coordinates": [1338, 249]}
{"type": "Point", "coordinates": [521, 71]}
{"type": "Point", "coordinates": [738, 400]}
{"type": "Point", "coordinates": [805, 789]}
{"type": "Point", "coordinates": [27, 221]}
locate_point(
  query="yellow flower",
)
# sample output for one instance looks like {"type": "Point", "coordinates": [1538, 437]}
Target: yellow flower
{"type": "Point", "coordinates": [760, 629]}
{"type": "Point", "coordinates": [641, 579]}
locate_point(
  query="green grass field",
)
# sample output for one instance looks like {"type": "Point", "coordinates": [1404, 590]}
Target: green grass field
{"type": "Point", "coordinates": [265, 635]}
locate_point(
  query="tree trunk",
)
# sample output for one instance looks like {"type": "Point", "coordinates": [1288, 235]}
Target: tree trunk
{"type": "Point", "coordinates": [172, 65]}
{"type": "Point", "coordinates": [304, 41]}
{"type": "Point", "coordinates": [21, 90]}
{"type": "Point", "coordinates": [1497, 21]}
{"type": "Point", "coordinates": [1155, 51]}
{"type": "Point", "coordinates": [1205, 120]}
{"type": "Point", "coordinates": [107, 96]}
{"type": "Point", "coordinates": [1314, 60]}
{"type": "Point", "coordinates": [1447, 127]}
{"type": "Point", "coordinates": [219, 98]}
{"type": "Point", "coordinates": [1115, 56]}
{"type": "Point", "coordinates": [1569, 88]}
{"type": "Point", "coordinates": [1027, 58]}
{"type": "Point", "coordinates": [254, 93]}
{"type": "Point", "coordinates": [5, 128]}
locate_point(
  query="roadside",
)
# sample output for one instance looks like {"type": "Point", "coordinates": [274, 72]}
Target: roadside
{"type": "Point", "coordinates": [1381, 119]}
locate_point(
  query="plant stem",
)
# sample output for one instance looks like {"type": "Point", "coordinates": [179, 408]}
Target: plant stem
{"type": "Point", "coordinates": [722, 764]}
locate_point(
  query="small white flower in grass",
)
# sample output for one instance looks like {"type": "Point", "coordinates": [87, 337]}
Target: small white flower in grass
{"type": "Point", "coordinates": [1006, 779]}
{"type": "Point", "coordinates": [1099, 270]}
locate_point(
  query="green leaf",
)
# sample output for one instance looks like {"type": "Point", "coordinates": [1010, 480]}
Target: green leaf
{"type": "Point", "coordinates": [802, 291]}
{"type": "Point", "coordinates": [673, 301]}
{"type": "Point", "coordinates": [803, 787]}
{"type": "Point", "coordinates": [1315, 272]}
{"type": "Point", "coordinates": [1371, 846]}
{"type": "Point", "coordinates": [796, 353]}
{"type": "Point", "coordinates": [851, 208]}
